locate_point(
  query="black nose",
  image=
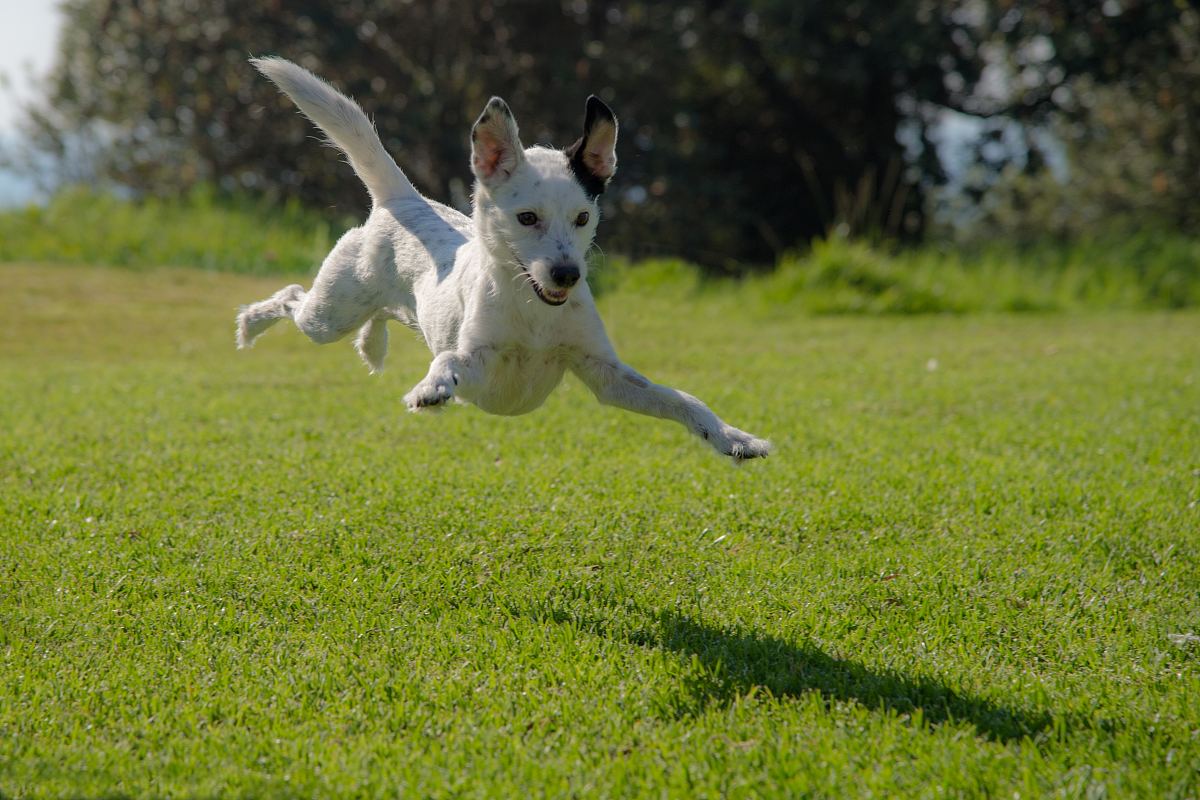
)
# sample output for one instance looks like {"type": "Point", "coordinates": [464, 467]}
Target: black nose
{"type": "Point", "coordinates": [565, 275]}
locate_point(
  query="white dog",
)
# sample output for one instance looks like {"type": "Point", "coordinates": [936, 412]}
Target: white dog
{"type": "Point", "coordinates": [468, 284]}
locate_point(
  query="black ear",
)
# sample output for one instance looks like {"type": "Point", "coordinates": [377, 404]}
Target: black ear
{"type": "Point", "coordinates": [593, 158]}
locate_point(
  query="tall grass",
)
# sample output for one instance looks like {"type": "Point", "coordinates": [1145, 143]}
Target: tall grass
{"type": "Point", "coordinates": [835, 276]}
{"type": "Point", "coordinates": [839, 276]}
{"type": "Point", "coordinates": [197, 230]}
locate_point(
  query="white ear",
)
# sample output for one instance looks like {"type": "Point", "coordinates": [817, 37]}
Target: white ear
{"type": "Point", "coordinates": [593, 158]}
{"type": "Point", "coordinates": [496, 150]}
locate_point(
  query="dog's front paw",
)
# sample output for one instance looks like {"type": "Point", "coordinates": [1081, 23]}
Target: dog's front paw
{"type": "Point", "coordinates": [429, 394]}
{"type": "Point", "coordinates": [739, 445]}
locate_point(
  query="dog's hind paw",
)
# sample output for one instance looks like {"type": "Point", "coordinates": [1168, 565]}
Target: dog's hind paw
{"type": "Point", "coordinates": [245, 333]}
{"type": "Point", "coordinates": [429, 394]}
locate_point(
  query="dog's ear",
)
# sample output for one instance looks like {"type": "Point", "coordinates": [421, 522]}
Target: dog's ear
{"type": "Point", "coordinates": [593, 158]}
{"type": "Point", "coordinates": [496, 150]}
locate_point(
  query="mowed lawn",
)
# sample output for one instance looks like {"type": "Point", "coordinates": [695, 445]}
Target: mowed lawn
{"type": "Point", "coordinates": [970, 569]}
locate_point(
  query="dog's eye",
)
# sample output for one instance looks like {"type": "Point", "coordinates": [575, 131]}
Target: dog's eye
{"type": "Point", "coordinates": [582, 219]}
{"type": "Point", "coordinates": [527, 218]}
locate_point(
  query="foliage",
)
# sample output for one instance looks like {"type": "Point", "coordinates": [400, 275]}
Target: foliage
{"type": "Point", "coordinates": [1050, 44]}
{"type": "Point", "coordinates": [1147, 271]}
{"type": "Point", "coordinates": [969, 569]}
{"type": "Point", "coordinates": [745, 125]}
{"type": "Point", "coordinates": [749, 126]}
{"type": "Point", "coordinates": [235, 234]}
{"type": "Point", "coordinates": [1116, 106]}
{"type": "Point", "coordinates": [835, 276]}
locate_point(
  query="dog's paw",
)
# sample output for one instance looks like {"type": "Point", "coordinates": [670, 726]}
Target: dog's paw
{"type": "Point", "coordinates": [429, 394]}
{"type": "Point", "coordinates": [739, 445]}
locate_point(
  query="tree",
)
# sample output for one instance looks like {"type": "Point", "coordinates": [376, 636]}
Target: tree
{"type": "Point", "coordinates": [748, 126]}
{"type": "Point", "coordinates": [1111, 86]}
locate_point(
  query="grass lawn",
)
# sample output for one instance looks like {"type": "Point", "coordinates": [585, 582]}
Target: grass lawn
{"type": "Point", "coordinates": [969, 569]}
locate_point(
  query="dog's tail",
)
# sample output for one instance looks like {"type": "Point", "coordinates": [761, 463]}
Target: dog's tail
{"type": "Point", "coordinates": [344, 123]}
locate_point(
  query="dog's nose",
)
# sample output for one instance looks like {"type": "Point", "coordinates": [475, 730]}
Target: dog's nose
{"type": "Point", "coordinates": [565, 275]}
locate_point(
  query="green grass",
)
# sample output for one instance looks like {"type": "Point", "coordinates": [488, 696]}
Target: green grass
{"type": "Point", "coordinates": [1149, 270]}
{"type": "Point", "coordinates": [963, 572]}
{"type": "Point", "coordinates": [230, 234]}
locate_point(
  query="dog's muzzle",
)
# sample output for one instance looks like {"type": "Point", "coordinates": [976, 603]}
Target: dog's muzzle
{"type": "Point", "coordinates": [565, 275]}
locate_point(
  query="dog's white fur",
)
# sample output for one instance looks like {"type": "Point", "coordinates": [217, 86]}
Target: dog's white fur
{"type": "Point", "coordinates": [481, 290]}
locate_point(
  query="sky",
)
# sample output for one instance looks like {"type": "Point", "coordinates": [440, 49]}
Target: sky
{"type": "Point", "coordinates": [27, 40]}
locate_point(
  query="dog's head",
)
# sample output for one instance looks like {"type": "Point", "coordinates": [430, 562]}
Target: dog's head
{"type": "Point", "coordinates": [536, 208]}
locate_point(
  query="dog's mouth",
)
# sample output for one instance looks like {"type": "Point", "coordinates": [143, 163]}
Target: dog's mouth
{"type": "Point", "coordinates": [551, 297]}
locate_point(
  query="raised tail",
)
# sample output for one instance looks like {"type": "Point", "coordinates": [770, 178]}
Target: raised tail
{"type": "Point", "coordinates": [344, 123]}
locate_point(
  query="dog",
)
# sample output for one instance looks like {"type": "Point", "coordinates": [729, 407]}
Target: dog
{"type": "Point", "coordinates": [501, 297]}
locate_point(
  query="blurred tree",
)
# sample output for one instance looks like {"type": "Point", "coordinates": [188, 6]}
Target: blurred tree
{"type": "Point", "coordinates": [1116, 85]}
{"type": "Point", "coordinates": [748, 126]}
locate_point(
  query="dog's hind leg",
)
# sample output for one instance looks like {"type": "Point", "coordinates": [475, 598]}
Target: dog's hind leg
{"type": "Point", "coordinates": [372, 342]}
{"type": "Point", "coordinates": [254, 319]}
{"type": "Point", "coordinates": [351, 288]}
{"type": "Point", "coordinates": [347, 293]}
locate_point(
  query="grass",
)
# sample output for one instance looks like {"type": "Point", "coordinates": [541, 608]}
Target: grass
{"type": "Point", "coordinates": [241, 235]}
{"type": "Point", "coordinates": [1148, 269]}
{"type": "Point", "coordinates": [969, 570]}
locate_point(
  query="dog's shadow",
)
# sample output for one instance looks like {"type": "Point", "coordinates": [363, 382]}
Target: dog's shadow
{"type": "Point", "coordinates": [736, 662]}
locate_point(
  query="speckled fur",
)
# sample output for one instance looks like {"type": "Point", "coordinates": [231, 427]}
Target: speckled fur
{"type": "Point", "coordinates": [479, 289]}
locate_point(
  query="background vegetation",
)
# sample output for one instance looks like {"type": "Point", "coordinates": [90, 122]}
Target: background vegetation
{"type": "Point", "coordinates": [835, 275]}
{"type": "Point", "coordinates": [749, 127]}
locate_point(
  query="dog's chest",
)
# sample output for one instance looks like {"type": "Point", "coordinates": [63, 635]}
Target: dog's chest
{"type": "Point", "coordinates": [518, 378]}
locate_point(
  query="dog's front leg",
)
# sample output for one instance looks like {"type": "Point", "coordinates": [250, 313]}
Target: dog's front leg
{"type": "Point", "coordinates": [617, 384]}
{"type": "Point", "coordinates": [448, 371]}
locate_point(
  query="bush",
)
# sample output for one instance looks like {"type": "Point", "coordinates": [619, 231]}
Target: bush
{"type": "Point", "coordinates": [836, 276]}
{"type": "Point", "coordinates": [846, 277]}
{"type": "Point", "coordinates": [236, 235]}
